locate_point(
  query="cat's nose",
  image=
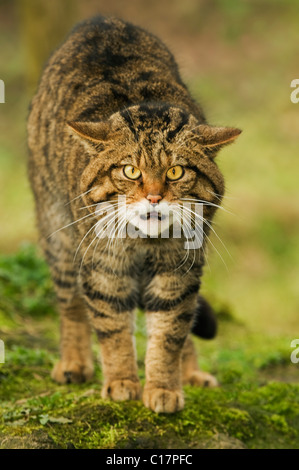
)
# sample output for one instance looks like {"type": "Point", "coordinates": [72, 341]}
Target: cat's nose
{"type": "Point", "coordinates": [154, 199]}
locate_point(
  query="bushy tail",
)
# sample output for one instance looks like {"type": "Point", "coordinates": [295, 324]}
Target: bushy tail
{"type": "Point", "coordinates": [205, 321]}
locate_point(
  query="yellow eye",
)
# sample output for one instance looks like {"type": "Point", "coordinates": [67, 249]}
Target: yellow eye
{"type": "Point", "coordinates": [175, 173]}
{"type": "Point", "coordinates": [132, 172]}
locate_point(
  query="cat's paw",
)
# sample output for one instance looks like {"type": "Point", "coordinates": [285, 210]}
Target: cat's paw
{"type": "Point", "coordinates": [162, 400]}
{"type": "Point", "coordinates": [199, 378]}
{"type": "Point", "coordinates": [121, 390]}
{"type": "Point", "coordinates": [65, 372]}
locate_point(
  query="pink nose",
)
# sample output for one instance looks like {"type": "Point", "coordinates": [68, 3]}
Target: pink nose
{"type": "Point", "coordinates": [154, 199]}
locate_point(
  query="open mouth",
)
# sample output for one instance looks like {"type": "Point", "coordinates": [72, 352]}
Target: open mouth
{"type": "Point", "coordinates": [153, 215]}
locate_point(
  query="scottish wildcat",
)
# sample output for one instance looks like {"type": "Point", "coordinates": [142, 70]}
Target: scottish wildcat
{"type": "Point", "coordinates": [112, 118]}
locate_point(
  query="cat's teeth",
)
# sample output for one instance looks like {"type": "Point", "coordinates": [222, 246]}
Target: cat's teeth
{"type": "Point", "coordinates": [153, 215]}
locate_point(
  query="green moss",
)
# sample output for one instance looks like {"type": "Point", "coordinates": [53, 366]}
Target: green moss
{"type": "Point", "coordinates": [77, 417]}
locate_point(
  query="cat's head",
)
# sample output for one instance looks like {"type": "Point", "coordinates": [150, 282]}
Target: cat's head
{"type": "Point", "coordinates": [159, 158]}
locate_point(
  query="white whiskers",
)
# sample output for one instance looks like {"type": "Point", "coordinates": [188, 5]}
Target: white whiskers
{"type": "Point", "coordinates": [202, 219]}
{"type": "Point", "coordinates": [81, 195]}
{"type": "Point", "coordinates": [113, 217]}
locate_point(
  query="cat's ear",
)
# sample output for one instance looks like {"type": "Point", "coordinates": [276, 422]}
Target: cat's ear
{"type": "Point", "coordinates": [214, 138]}
{"type": "Point", "coordinates": [97, 132]}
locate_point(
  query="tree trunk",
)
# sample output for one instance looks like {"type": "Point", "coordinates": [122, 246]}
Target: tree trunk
{"type": "Point", "coordinates": [43, 26]}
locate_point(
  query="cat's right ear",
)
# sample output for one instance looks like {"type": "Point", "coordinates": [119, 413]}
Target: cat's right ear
{"type": "Point", "coordinates": [97, 132]}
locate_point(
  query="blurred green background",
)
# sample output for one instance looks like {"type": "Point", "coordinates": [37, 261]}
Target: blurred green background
{"type": "Point", "coordinates": [238, 59]}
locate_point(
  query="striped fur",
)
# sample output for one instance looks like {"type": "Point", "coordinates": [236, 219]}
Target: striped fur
{"type": "Point", "coordinates": [110, 96]}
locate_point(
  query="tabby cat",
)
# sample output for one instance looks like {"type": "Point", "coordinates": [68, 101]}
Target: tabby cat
{"type": "Point", "coordinates": [112, 118]}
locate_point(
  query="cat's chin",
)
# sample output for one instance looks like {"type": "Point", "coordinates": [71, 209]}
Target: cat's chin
{"type": "Point", "coordinates": [153, 227]}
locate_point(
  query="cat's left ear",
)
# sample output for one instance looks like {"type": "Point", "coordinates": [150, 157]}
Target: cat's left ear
{"type": "Point", "coordinates": [214, 138]}
{"type": "Point", "coordinates": [97, 132]}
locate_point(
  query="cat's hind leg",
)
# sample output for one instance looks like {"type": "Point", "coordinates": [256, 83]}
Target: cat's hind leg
{"type": "Point", "coordinates": [191, 374]}
{"type": "Point", "coordinates": [76, 361]}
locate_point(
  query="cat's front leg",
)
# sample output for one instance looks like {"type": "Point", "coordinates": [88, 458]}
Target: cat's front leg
{"type": "Point", "coordinates": [169, 318]}
{"type": "Point", "coordinates": [111, 314]}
